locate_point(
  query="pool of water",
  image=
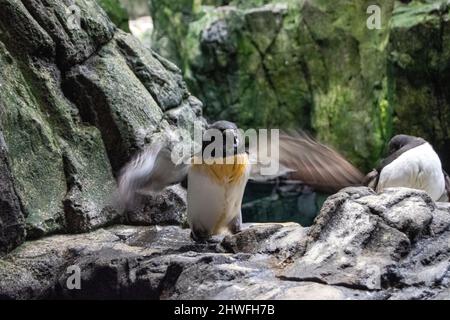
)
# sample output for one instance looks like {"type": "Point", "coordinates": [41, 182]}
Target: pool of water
{"type": "Point", "coordinates": [283, 201]}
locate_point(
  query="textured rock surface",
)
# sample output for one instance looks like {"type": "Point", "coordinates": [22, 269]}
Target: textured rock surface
{"type": "Point", "coordinates": [77, 100]}
{"type": "Point", "coordinates": [362, 246]}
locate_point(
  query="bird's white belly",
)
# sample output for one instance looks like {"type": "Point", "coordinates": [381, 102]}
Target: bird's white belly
{"type": "Point", "coordinates": [211, 204]}
{"type": "Point", "coordinates": [418, 168]}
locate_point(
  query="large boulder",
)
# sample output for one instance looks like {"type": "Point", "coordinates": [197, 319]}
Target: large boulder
{"type": "Point", "coordinates": [78, 98]}
{"type": "Point", "coordinates": [362, 246]}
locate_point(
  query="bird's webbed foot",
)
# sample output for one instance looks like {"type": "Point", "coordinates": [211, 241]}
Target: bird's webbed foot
{"type": "Point", "coordinates": [235, 226]}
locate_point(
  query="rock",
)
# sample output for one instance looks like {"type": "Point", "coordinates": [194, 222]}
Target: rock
{"type": "Point", "coordinates": [280, 239]}
{"type": "Point", "coordinates": [172, 20]}
{"type": "Point", "coordinates": [355, 250]}
{"type": "Point", "coordinates": [42, 30]}
{"type": "Point", "coordinates": [132, 106]}
{"type": "Point", "coordinates": [362, 240]}
{"type": "Point", "coordinates": [12, 222]}
{"type": "Point", "coordinates": [78, 100]}
{"type": "Point", "coordinates": [166, 208]}
{"type": "Point", "coordinates": [126, 262]}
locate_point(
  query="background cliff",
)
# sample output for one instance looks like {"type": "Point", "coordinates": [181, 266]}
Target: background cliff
{"type": "Point", "coordinates": [315, 65]}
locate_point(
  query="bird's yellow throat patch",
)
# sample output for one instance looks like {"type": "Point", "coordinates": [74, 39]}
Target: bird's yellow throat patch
{"type": "Point", "coordinates": [225, 173]}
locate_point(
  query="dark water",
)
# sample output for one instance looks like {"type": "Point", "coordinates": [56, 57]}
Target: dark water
{"type": "Point", "coordinates": [284, 201]}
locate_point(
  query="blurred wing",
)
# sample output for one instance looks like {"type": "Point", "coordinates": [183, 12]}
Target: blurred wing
{"type": "Point", "coordinates": [150, 171]}
{"type": "Point", "coordinates": [315, 164]}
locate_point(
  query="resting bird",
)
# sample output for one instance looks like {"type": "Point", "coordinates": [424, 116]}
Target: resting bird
{"type": "Point", "coordinates": [411, 163]}
{"type": "Point", "coordinates": [215, 190]}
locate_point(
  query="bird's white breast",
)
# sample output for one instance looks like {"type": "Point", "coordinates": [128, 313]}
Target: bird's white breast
{"type": "Point", "coordinates": [211, 203]}
{"type": "Point", "coordinates": [418, 168]}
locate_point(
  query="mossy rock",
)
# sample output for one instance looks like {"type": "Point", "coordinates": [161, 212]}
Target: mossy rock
{"type": "Point", "coordinates": [75, 106]}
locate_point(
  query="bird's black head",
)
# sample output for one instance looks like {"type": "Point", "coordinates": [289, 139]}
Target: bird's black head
{"type": "Point", "coordinates": [402, 140]}
{"type": "Point", "coordinates": [221, 139]}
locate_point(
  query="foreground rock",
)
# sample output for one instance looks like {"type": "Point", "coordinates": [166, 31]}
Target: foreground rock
{"type": "Point", "coordinates": [362, 246]}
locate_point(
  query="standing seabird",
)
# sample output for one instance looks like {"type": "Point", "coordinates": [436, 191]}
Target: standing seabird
{"type": "Point", "coordinates": [411, 163]}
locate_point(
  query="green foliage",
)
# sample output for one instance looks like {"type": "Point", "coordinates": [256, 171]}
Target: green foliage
{"type": "Point", "coordinates": [116, 12]}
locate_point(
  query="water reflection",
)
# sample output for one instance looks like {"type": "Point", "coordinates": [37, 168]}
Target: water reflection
{"type": "Point", "coordinates": [281, 201]}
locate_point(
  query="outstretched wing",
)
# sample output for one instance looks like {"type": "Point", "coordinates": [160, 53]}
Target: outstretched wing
{"type": "Point", "coordinates": [150, 171]}
{"type": "Point", "coordinates": [315, 164]}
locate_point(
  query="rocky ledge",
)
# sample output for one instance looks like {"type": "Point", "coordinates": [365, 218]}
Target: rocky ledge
{"type": "Point", "coordinates": [395, 245]}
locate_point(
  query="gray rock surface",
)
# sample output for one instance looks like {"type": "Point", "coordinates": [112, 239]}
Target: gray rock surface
{"type": "Point", "coordinates": [362, 246]}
